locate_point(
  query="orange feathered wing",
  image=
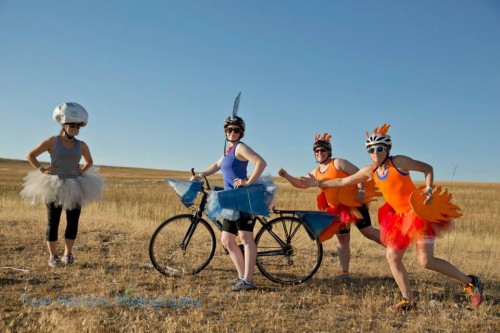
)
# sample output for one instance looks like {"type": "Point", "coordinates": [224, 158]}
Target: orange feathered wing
{"type": "Point", "coordinates": [348, 195]}
{"type": "Point", "coordinates": [439, 210]}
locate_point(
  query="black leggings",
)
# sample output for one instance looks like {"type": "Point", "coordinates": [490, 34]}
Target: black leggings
{"type": "Point", "coordinates": [54, 216]}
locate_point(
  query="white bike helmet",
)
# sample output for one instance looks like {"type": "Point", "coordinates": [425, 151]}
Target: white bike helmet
{"type": "Point", "coordinates": [70, 113]}
{"type": "Point", "coordinates": [379, 137]}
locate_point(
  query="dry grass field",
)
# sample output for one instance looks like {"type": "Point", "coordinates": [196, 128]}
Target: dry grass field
{"type": "Point", "coordinates": [113, 287]}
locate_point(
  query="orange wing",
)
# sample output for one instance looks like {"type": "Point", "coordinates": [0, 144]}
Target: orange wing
{"type": "Point", "coordinates": [439, 210]}
{"type": "Point", "coordinates": [348, 195]}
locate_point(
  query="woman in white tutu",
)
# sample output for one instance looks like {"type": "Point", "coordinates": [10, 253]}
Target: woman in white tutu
{"type": "Point", "coordinates": [65, 184]}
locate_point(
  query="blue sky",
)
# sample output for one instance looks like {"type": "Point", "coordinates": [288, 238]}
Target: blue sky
{"type": "Point", "coordinates": [158, 79]}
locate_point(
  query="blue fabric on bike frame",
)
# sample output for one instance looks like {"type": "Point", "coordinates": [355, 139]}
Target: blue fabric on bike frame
{"type": "Point", "coordinates": [251, 199]}
{"type": "Point", "coordinates": [185, 189]}
{"type": "Point", "coordinates": [316, 221]}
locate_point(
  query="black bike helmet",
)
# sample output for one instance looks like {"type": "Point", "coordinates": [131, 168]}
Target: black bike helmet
{"type": "Point", "coordinates": [324, 144]}
{"type": "Point", "coordinates": [322, 141]}
{"type": "Point", "coordinates": [235, 120]}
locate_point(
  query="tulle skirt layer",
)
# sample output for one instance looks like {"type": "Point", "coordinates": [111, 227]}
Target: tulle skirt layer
{"type": "Point", "coordinates": [401, 230]}
{"type": "Point", "coordinates": [346, 215]}
{"type": "Point", "coordinates": [254, 199]}
{"type": "Point", "coordinates": [66, 193]}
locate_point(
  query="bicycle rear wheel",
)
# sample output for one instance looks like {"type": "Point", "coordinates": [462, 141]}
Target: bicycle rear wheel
{"type": "Point", "coordinates": [292, 259]}
{"type": "Point", "coordinates": [182, 245]}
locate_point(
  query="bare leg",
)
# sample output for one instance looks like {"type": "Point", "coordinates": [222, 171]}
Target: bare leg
{"type": "Point", "coordinates": [68, 246]}
{"type": "Point", "coordinates": [344, 250]}
{"type": "Point", "coordinates": [248, 242]}
{"type": "Point", "coordinates": [229, 241]}
{"type": "Point", "coordinates": [395, 260]}
{"type": "Point", "coordinates": [52, 246]}
{"type": "Point", "coordinates": [426, 259]}
{"type": "Point", "coordinates": [371, 233]}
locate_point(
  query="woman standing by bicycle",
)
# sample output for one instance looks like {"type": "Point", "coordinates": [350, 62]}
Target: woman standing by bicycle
{"type": "Point", "coordinates": [402, 219]}
{"type": "Point", "coordinates": [234, 165]}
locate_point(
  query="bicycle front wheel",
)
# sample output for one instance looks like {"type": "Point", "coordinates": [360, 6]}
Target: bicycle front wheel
{"type": "Point", "coordinates": [285, 252]}
{"type": "Point", "coordinates": [182, 245]}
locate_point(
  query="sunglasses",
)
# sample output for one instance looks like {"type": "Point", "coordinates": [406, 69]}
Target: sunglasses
{"type": "Point", "coordinates": [322, 150]}
{"type": "Point", "coordinates": [74, 125]}
{"type": "Point", "coordinates": [377, 149]}
{"type": "Point", "coordinates": [236, 130]}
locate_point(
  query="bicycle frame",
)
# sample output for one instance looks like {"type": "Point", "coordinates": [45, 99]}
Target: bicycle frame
{"type": "Point", "coordinates": [288, 253]}
{"type": "Point", "coordinates": [262, 220]}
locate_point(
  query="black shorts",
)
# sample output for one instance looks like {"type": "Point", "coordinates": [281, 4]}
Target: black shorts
{"type": "Point", "coordinates": [361, 224]}
{"type": "Point", "coordinates": [244, 223]}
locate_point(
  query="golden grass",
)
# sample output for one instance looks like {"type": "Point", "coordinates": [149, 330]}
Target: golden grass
{"type": "Point", "coordinates": [113, 267]}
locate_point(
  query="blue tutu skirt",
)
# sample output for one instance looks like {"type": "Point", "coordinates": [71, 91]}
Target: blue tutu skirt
{"type": "Point", "coordinates": [254, 199]}
{"type": "Point", "coordinates": [185, 189]}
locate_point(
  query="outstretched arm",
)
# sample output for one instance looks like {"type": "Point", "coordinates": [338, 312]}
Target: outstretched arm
{"type": "Point", "coordinates": [359, 177]}
{"type": "Point", "coordinates": [293, 180]}
{"type": "Point", "coordinates": [351, 169]}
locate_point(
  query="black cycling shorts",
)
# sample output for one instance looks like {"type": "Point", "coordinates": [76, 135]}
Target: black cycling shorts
{"type": "Point", "coordinates": [361, 224]}
{"type": "Point", "coordinates": [244, 223]}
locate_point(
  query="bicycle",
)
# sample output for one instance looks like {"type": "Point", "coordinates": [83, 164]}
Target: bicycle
{"type": "Point", "coordinates": [287, 251]}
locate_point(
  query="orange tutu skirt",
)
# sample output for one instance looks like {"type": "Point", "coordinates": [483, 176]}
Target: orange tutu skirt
{"type": "Point", "coordinates": [401, 230]}
{"type": "Point", "coordinates": [345, 216]}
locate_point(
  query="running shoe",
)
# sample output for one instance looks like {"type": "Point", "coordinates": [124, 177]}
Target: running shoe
{"type": "Point", "coordinates": [55, 262]}
{"type": "Point", "coordinates": [475, 291]}
{"type": "Point", "coordinates": [68, 259]}
{"type": "Point", "coordinates": [233, 281]}
{"type": "Point", "coordinates": [343, 275]}
{"type": "Point", "coordinates": [243, 285]}
{"type": "Point", "coordinates": [403, 306]}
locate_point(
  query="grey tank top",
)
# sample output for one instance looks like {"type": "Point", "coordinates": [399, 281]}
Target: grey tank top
{"type": "Point", "coordinates": [66, 159]}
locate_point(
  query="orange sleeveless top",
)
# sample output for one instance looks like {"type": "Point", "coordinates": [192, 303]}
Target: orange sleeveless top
{"type": "Point", "coordinates": [396, 187]}
{"type": "Point", "coordinates": [331, 193]}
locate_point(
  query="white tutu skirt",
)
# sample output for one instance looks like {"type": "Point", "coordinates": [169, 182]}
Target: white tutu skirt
{"type": "Point", "coordinates": [66, 193]}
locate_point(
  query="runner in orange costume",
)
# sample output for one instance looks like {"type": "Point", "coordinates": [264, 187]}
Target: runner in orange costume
{"type": "Point", "coordinates": [401, 217]}
{"type": "Point", "coordinates": [347, 203]}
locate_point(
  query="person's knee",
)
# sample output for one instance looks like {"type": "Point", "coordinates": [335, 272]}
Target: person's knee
{"type": "Point", "coordinates": [227, 240]}
{"type": "Point", "coordinates": [369, 232]}
{"type": "Point", "coordinates": [247, 238]}
{"type": "Point", "coordinates": [343, 240]}
{"type": "Point", "coordinates": [393, 257]}
{"type": "Point", "coordinates": [424, 260]}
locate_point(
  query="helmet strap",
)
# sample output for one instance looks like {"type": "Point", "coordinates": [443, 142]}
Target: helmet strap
{"type": "Point", "coordinates": [69, 136]}
{"type": "Point", "coordinates": [383, 162]}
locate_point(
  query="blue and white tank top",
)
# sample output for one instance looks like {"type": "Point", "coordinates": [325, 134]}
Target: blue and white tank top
{"type": "Point", "coordinates": [232, 168]}
{"type": "Point", "coordinates": [66, 159]}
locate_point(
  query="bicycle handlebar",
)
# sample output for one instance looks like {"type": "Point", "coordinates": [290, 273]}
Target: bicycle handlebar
{"type": "Point", "coordinates": [204, 177]}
